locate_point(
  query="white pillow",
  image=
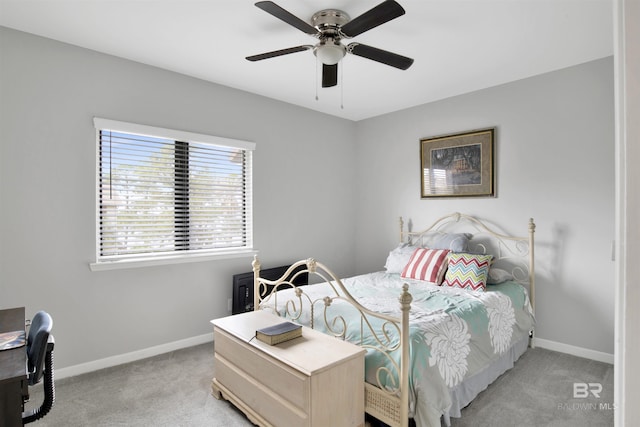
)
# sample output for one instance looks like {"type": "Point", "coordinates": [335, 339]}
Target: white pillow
{"type": "Point", "coordinates": [398, 258]}
{"type": "Point", "coordinates": [498, 275]}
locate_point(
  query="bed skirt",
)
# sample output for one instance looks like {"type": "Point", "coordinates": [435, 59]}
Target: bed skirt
{"type": "Point", "coordinates": [465, 392]}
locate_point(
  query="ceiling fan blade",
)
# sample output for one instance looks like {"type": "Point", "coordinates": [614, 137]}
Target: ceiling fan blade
{"type": "Point", "coordinates": [329, 75]}
{"type": "Point", "coordinates": [384, 12]}
{"type": "Point", "coordinates": [288, 17]}
{"type": "Point", "coordinates": [379, 55]}
{"type": "Point", "coordinates": [280, 52]}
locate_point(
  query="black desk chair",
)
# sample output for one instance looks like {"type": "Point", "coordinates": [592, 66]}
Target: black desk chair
{"type": "Point", "coordinates": [40, 345]}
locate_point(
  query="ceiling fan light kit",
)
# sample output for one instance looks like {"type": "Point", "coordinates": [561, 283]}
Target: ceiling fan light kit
{"type": "Point", "coordinates": [330, 26]}
{"type": "Point", "coordinates": [329, 53]}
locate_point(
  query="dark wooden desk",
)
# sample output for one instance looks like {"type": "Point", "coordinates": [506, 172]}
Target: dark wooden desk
{"type": "Point", "coordinates": [13, 370]}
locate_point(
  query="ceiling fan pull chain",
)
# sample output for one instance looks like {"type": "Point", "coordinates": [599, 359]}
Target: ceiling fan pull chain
{"type": "Point", "coordinates": [316, 78]}
{"type": "Point", "coordinates": [342, 87]}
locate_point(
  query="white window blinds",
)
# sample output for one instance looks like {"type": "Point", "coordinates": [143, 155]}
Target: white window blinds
{"type": "Point", "coordinates": [164, 192]}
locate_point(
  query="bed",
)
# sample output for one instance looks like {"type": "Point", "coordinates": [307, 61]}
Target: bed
{"type": "Point", "coordinates": [452, 310]}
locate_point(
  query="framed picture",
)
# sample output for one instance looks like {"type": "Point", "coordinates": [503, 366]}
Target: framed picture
{"type": "Point", "coordinates": [459, 165]}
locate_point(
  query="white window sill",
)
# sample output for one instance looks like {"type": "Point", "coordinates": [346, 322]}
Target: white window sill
{"type": "Point", "coordinates": [168, 260]}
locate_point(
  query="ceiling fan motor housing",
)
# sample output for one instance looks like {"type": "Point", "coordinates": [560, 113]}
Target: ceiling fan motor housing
{"type": "Point", "coordinates": [329, 21]}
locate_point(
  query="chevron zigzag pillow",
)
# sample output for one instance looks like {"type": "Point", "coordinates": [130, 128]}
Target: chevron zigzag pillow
{"type": "Point", "coordinates": [468, 271]}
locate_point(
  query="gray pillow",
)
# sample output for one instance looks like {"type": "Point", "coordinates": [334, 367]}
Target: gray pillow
{"type": "Point", "coordinates": [455, 242]}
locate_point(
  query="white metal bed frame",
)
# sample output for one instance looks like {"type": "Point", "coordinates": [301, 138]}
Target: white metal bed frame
{"type": "Point", "coordinates": [390, 404]}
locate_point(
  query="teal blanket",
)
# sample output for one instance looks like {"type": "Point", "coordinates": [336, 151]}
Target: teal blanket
{"type": "Point", "coordinates": [454, 333]}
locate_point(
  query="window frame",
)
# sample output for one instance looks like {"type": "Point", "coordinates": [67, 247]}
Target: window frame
{"type": "Point", "coordinates": [181, 256]}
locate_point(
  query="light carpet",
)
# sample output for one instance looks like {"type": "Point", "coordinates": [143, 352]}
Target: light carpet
{"type": "Point", "coordinates": [174, 389]}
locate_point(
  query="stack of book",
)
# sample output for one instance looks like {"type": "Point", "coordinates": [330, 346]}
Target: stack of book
{"type": "Point", "coordinates": [281, 332]}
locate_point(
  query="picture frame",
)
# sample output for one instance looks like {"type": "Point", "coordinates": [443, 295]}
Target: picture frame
{"type": "Point", "coordinates": [458, 165]}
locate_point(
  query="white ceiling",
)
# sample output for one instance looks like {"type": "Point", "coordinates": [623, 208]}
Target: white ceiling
{"type": "Point", "coordinates": [458, 46]}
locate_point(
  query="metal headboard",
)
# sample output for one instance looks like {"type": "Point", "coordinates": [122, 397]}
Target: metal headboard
{"type": "Point", "coordinates": [512, 253]}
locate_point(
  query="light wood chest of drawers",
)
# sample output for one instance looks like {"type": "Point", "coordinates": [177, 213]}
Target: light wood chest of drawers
{"type": "Point", "coordinates": [315, 380]}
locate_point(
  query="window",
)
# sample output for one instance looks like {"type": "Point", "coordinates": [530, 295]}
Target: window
{"type": "Point", "coordinates": [166, 194]}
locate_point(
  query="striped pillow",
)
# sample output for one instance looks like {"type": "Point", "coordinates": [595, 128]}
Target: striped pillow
{"type": "Point", "coordinates": [426, 264]}
{"type": "Point", "coordinates": [468, 271]}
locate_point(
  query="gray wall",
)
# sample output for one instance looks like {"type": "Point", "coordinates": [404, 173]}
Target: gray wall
{"type": "Point", "coordinates": [554, 162]}
{"type": "Point", "coordinates": [50, 93]}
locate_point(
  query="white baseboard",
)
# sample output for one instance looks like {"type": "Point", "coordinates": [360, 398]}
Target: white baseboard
{"type": "Point", "coordinates": [574, 351]}
{"type": "Point", "coordinates": [119, 359]}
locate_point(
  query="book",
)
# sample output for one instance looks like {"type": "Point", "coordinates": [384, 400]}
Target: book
{"type": "Point", "coordinates": [281, 332]}
{"type": "Point", "coordinates": [14, 339]}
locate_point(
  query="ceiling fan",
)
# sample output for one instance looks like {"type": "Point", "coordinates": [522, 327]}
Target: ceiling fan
{"type": "Point", "coordinates": [330, 26]}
